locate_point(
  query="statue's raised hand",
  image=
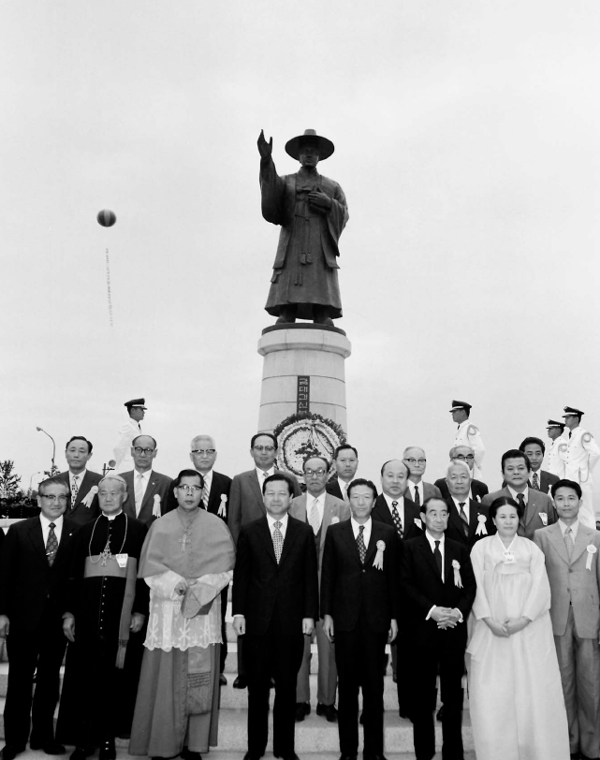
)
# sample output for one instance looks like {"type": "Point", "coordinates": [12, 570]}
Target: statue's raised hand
{"type": "Point", "coordinates": [264, 148]}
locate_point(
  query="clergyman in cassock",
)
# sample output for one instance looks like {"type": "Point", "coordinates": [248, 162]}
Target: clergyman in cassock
{"type": "Point", "coordinates": [187, 560]}
{"type": "Point", "coordinates": [104, 603]}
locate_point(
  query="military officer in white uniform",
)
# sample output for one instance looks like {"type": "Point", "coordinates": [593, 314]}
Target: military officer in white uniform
{"type": "Point", "coordinates": [580, 454]}
{"type": "Point", "coordinates": [123, 461]}
{"type": "Point", "coordinates": [468, 434]}
{"type": "Point", "coordinates": [552, 460]}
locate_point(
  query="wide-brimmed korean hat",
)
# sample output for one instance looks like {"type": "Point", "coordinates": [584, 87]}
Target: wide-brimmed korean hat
{"type": "Point", "coordinates": [326, 147]}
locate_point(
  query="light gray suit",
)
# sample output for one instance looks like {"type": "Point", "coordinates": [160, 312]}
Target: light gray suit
{"type": "Point", "coordinates": [537, 503]}
{"type": "Point", "coordinates": [575, 614]}
{"type": "Point", "coordinates": [335, 510]}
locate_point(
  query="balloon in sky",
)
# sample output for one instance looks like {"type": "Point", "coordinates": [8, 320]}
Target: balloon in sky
{"type": "Point", "coordinates": [106, 217]}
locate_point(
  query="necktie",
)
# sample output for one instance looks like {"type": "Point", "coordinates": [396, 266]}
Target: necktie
{"type": "Point", "coordinates": [360, 542]}
{"type": "Point", "coordinates": [277, 540]}
{"type": "Point", "coordinates": [536, 481]}
{"type": "Point", "coordinates": [397, 519]}
{"type": "Point", "coordinates": [314, 518]}
{"type": "Point", "coordinates": [521, 500]}
{"type": "Point", "coordinates": [51, 545]}
{"type": "Point", "coordinates": [463, 517]}
{"type": "Point", "coordinates": [344, 489]}
{"type": "Point", "coordinates": [139, 492]}
{"type": "Point", "coordinates": [570, 544]}
{"type": "Point", "coordinates": [74, 490]}
{"type": "Point", "coordinates": [417, 498]}
{"type": "Point", "coordinates": [205, 495]}
{"type": "Point", "coordinates": [437, 554]}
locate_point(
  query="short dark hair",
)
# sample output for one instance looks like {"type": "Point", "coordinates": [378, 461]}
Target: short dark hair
{"type": "Point", "coordinates": [425, 504]}
{"type": "Point", "coordinates": [276, 477]}
{"type": "Point", "coordinates": [258, 435]}
{"type": "Point", "coordinates": [361, 482]}
{"type": "Point", "coordinates": [401, 461]}
{"type": "Point", "coordinates": [503, 501]}
{"type": "Point", "coordinates": [341, 447]}
{"type": "Point", "coordinates": [187, 474]}
{"type": "Point", "coordinates": [564, 483]}
{"type": "Point", "coordinates": [530, 441]}
{"type": "Point", "coordinates": [308, 457]}
{"type": "Point", "coordinates": [79, 438]}
{"type": "Point", "coordinates": [515, 454]}
{"type": "Point", "coordinates": [54, 481]}
{"type": "Point", "coordinates": [141, 435]}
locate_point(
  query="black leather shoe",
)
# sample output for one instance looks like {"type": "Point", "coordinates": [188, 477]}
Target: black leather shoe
{"type": "Point", "coordinates": [186, 754]}
{"type": "Point", "coordinates": [10, 751]}
{"type": "Point", "coordinates": [328, 712]}
{"type": "Point", "coordinates": [302, 710]}
{"type": "Point", "coordinates": [290, 756]}
{"type": "Point", "coordinates": [50, 748]}
{"type": "Point", "coordinates": [80, 753]}
{"type": "Point", "coordinates": [251, 756]}
{"type": "Point", "coordinates": [240, 683]}
{"type": "Point", "coordinates": [222, 680]}
{"type": "Point", "coordinates": [369, 756]}
{"type": "Point", "coordinates": [348, 757]}
{"type": "Point", "coordinates": [108, 750]}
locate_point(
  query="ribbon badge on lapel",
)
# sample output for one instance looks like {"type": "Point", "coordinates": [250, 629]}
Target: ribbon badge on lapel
{"type": "Point", "coordinates": [222, 511]}
{"type": "Point", "coordinates": [156, 506]}
{"type": "Point", "coordinates": [418, 523]}
{"type": "Point", "coordinates": [591, 550]}
{"type": "Point", "coordinates": [481, 529]}
{"type": "Point", "coordinates": [89, 497]}
{"type": "Point", "coordinates": [543, 518]}
{"type": "Point", "coordinates": [457, 578]}
{"type": "Point", "coordinates": [378, 561]}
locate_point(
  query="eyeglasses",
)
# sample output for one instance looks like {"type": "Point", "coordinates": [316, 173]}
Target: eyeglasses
{"type": "Point", "coordinates": [204, 452]}
{"type": "Point", "coordinates": [190, 489]}
{"type": "Point", "coordinates": [416, 461]}
{"type": "Point", "coordinates": [264, 448]}
{"type": "Point", "coordinates": [63, 498]}
{"type": "Point", "coordinates": [140, 451]}
{"type": "Point", "coordinates": [315, 473]}
{"type": "Point", "coordinates": [465, 456]}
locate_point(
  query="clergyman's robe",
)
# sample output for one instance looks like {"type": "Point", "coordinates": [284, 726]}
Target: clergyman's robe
{"type": "Point", "coordinates": [178, 695]}
{"type": "Point", "coordinates": [305, 267]}
{"type": "Point", "coordinates": [95, 703]}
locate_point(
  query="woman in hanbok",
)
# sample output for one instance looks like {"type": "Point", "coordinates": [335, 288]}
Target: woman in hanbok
{"type": "Point", "coordinates": [515, 692]}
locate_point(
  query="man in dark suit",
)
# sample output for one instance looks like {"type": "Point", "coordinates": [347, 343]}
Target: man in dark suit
{"type": "Point", "coordinates": [82, 483]}
{"type": "Point", "coordinates": [275, 604]}
{"type": "Point", "coordinates": [359, 599]}
{"type": "Point", "coordinates": [534, 449]}
{"type": "Point", "coordinates": [466, 454]}
{"type": "Point", "coordinates": [34, 565]}
{"type": "Point", "coordinates": [538, 510]}
{"type": "Point", "coordinates": [439, 589]}
{"type": "Point", "coordinates": [147, 490]}
{"type": "Point", "coordinates": [396, 509]}
{"type": "Point", "coordinates": [345, 460]}
{"type": "Point", "coordinates": [246, 504]}
{"type": "Point", "coordinates": [468, 521]}
{"type": "Point", "coordinates": [215, 496]}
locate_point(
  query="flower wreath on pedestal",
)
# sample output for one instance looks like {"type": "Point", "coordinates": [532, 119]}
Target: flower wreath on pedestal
{"type": "Point", "coordinates": [306, 433]}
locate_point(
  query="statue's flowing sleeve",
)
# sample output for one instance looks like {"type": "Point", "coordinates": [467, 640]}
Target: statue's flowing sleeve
{"type": "Point", "coordinates": [338, 216]}
{"type": "Point", "coordinates": [272, 190]}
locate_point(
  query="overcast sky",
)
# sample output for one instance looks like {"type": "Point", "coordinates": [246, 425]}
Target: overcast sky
{"type": "Point", "coordinates": [466, 138]}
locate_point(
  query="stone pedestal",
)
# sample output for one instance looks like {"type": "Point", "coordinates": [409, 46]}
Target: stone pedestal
{"type": "Point", "coordinates": [295, 350]}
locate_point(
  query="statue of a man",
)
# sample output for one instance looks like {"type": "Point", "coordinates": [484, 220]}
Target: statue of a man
{"type": "Point", "coordinates": [312, 212]}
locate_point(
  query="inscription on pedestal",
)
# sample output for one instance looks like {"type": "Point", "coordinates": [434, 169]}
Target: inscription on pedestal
{"type": "Point", "coordinates": [303, 395]}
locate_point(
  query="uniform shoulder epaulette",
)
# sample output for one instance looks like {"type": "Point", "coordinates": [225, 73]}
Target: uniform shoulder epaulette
{"type": "Point", "coordinates": [472, 430]}
{"type": "Point", "coordinates": [587, 437]}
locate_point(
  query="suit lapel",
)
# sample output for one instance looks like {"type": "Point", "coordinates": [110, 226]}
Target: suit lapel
{"type": "Point", "coordinates": [37, 539]}
{"type": "Point", "coordinates": [288, 541]}
{"type": "Point", "coordinates": [265, 534]}
{"type": "Point", "coordinates": [348, 536]}
{"type": "Point", "coordinates": [555, 537]}
{"type": "Point", "coordinates": [255, 486]}
{"type": "Point", "coordinates": [473, 521]}
{"type": "Point", "coordinates": [65, 536]}
{"type": "Point", "coordinates": [129, 506]}
{"type": "Point", "coordinates": [532, 505]}
{"type": "Point", "coordinates": [581, 543]}
{"type": "Point", "coordinates": [428, 556]}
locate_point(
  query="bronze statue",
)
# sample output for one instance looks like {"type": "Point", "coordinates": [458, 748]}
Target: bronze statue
{"type": "Point", "coordinates": [312, 212]}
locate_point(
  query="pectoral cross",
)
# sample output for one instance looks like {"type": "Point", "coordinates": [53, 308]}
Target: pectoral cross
{"type": "Point", "coordinates": [183, 541]}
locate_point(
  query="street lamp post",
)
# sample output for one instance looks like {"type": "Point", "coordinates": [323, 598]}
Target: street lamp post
{"type": "Point", "coordinates": [53, 468]}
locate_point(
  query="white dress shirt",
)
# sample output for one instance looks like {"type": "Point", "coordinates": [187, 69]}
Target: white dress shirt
{"type": "Point", "coordinates": [366, 532]}
{"type": "Point", "coordinates": [58, 526]}
{"type": "Point", "coordinates": [139, 495]}
{"type": "Point", "coordinates": [283, 527]}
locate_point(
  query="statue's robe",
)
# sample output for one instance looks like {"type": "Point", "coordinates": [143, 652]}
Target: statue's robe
{"type": "Point", "coordinates": [178, 695]}
{"type": "Point", "coordinates": [98, 697]}
{"type": "Point", "coordinates": [305, 267]}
